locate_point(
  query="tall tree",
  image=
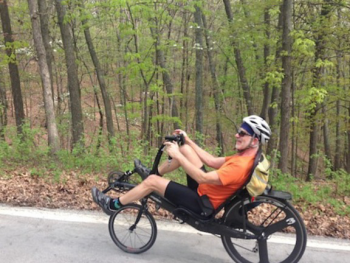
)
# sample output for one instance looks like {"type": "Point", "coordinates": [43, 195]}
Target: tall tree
{"type": "Point", "coordinates": [338, 137]}
{"type": "Point", "coordinates": [216, 87]}
{"type": "Point", "coordinates": [199, 68]}
{"type": "Point", "coordinates": [161, 61]}
{"type": "Point", "coordinates": [316, 76]}
{"type": "Point", "coordinates": [12, 64]}
{"type": "Point", "coordinates": [239, 61]}
{"type": "Point", "coordinates": [99, 73]}
{"type": "Point", "coordinates": [347, 157]}
{"type": "Point", "coordinates": [72, 72]}
{"type": "Point", "coordinates": [267, 51]}
{"type": "Point", "coordinates": [53, 138]}
{"type": "Point", "coordinates": [143, 74]}
{"type": "Point", "coordinates": [3, 107]}
{"type": "Point", "coordinates": [286, 84]}
{"type": "Point", "coordinates": [45, 32]}
{"type": "Point", "coordinates": [275, 95]}
{"type": "Point", "coordinates": [185, 75]}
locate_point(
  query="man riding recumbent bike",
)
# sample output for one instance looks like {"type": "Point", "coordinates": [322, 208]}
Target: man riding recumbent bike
{"type": "Point", "coordinates": [230, 201]}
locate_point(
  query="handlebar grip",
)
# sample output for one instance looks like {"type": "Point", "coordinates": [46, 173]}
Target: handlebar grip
{"type": "Point", "coordinates": [171, 138]}
{"type": "Point", "coordinates": [180, 139]}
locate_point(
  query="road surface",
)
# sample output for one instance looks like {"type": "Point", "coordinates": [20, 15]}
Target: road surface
{"type": "Point", "coordinates": [45, 235]}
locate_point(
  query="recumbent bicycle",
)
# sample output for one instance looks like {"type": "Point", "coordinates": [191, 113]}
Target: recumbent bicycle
{"type": "Point", "coordinates": [251, 229]}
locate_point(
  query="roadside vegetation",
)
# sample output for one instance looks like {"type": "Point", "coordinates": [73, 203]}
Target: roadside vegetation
{"type": "Point", "coordinates": [29, 177]}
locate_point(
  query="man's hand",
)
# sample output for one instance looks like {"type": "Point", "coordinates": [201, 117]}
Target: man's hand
{"type": "Point", "coordinates": [172, 148]}
{"type": "Point", "coordinates": [179, 131]}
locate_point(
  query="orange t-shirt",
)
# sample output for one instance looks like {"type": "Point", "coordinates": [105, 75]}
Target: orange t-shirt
{"type": "Point", "coordinates": [233, 174]}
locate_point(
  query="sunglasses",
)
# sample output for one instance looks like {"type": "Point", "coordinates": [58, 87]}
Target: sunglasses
{"type": "Point", "coordinates": [242, 133]}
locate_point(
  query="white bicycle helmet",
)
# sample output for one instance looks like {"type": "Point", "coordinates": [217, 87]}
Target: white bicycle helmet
{"type": "Point", "coordinates": [260, 127]}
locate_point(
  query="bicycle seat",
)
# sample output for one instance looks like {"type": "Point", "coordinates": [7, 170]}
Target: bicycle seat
{"type": "Point", "coordinates": [141, 169]}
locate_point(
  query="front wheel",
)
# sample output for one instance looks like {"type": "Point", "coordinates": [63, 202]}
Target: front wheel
{"type": "Point", "coordinates": [279, 227]}
{"type": "Point", "coordinates": [133, 229]}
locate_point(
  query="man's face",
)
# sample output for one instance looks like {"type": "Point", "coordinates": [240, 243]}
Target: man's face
{"type": "Point", "coordinates": [243, 139]}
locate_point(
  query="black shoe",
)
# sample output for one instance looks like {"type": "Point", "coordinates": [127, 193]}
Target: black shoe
{"type": "Point", "coordinates": [102, 200]}
{"type": "Point", "coordinates": [142, 170]}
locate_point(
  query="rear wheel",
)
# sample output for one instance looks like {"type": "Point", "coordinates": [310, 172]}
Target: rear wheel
{"type": "Point", "coordinates": [133, 229]}
{"type": "Point", "coordinates": [279, 227]}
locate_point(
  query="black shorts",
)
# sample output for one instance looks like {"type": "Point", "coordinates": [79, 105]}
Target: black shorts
{"type": "Point", "coordinates": [186, 196]}
{"type": "Point", "coordinates": [191, 183]}
{"type": "Point", "coordinates": [183, 196]}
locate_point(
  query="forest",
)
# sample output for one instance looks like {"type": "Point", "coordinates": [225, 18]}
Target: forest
{"type": "Point", "coordinates": [109, 78]}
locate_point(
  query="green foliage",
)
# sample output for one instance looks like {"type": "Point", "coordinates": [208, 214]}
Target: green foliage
{"type": "Point", "coordinates": [302, 46]}
{"type": "Point", "coordinates": [23, 148]}
{"type": "Point", "coordinates": [311, 193]}
{"type": "Point", "coordinates": [314, 97]}
{"type": "Point", "coordinates": [323, 63]}
{"type": "Point", "coordinates": [274, 78]}
{"type": "Point", "coordinates": [166, 119]}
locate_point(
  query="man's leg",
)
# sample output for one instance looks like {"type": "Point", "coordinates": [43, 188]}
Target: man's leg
{"type": "Point", "coordinates": [152, 183]}
{"type": "Point", "coordinates": [188, 152]}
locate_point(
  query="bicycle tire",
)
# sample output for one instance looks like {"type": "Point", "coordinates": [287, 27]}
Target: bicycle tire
{"type": "Point", "coordinates": [287, 230]}
{"type": "Point", "coordinates": [129, 237]}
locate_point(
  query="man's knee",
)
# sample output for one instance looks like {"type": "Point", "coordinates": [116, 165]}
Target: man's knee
{"type": "Point", "coordinates": [186, 149]}
{"type": "Point", "coordinates": [156, 183]}
{"type": "Point", "coordinates": [191, 155]}
{"type": "Point", "coordinates": [151, 181]}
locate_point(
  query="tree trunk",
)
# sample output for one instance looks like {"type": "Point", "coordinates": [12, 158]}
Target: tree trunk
{"type": "Point", "coordinates": [199, 70]}
{"type": "Point", "coordinates": [184, 71]}
{"type": "Point", "coordinates": [267, 90]}
{"type": "Point", "coordinates": [100, 78]}
{"type": "Point", "coordinates": [12, 64]}
{"type": "Point", "coordinates": [3, 108]}
{"type": "Point", "coordinates": [327, 147]}
{"type": "Point", "coordinates": [275, 100]}
{"type": "Point", "coordinates": [286, 85]}
{"type": "Point", "coordinates": [53, 138]}
{"type": "Point", "coordinates": [338, 137]}
{"type": "Point", "coordinates": [165, 74]}
{"type": "Point", "coordinates": [216, 88]}
{"type": "Point", "coordinates": [143, 75]}
{"type": "Point", "coordinates": [317, 73]}
{"type": "Point", "coordinates": [45, 32]}
{"type": "Point", "coordinates": [348, 146]}
{"type": "Point", "coordinates": [239, 62]}
{"type": "Point", "coordinates": [72, 72]}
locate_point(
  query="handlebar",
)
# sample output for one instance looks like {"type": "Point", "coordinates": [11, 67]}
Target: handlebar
{"type": "Point", "coordinates": [180, 139]}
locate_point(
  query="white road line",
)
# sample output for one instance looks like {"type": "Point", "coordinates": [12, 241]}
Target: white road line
{"type": "Point", "coordinates": [100, 218]}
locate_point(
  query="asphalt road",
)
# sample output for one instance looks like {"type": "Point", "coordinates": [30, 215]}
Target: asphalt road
{"type": "Point", "coordinates": [44, 235]}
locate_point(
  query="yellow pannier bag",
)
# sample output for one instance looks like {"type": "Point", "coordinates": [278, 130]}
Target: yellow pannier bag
{"type": "Point", "coordinates": [260, 177]}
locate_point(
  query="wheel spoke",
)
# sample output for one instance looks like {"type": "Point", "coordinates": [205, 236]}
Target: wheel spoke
{"type": "Point", "coordinates": [276, 227]}
{"type": "Point", "coordinates": [263, 251]}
